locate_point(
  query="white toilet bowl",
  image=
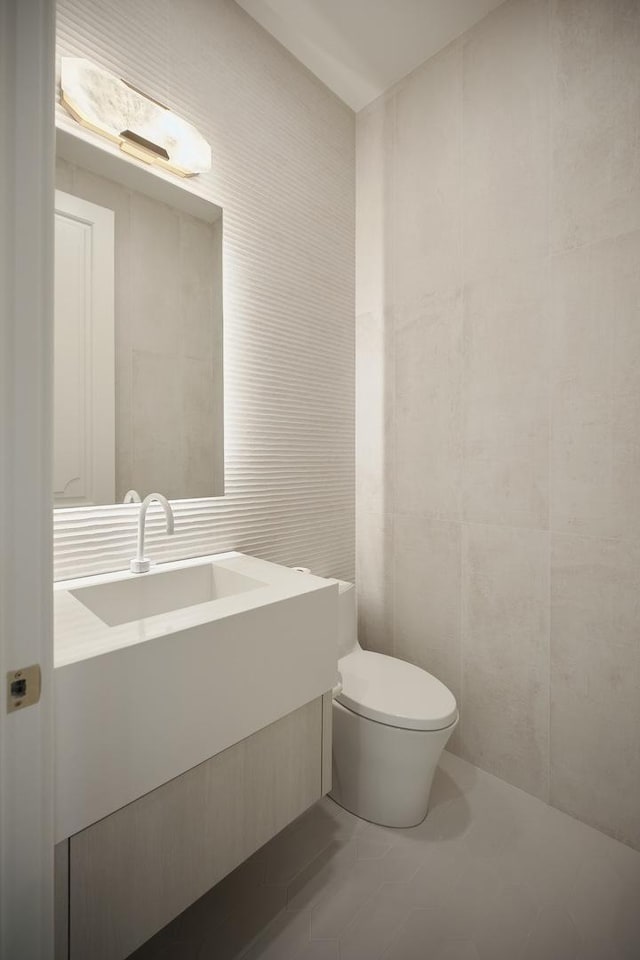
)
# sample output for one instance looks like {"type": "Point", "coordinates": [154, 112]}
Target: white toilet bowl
{"type": "Point", "coordinates": [391, 721]}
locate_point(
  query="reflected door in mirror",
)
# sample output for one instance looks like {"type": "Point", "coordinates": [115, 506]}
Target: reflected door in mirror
{"type": "Point", "coordinates": [84, 383]}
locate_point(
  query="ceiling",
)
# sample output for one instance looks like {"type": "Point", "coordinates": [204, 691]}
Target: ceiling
{"type": "Point", "coordinates": [359, 48]}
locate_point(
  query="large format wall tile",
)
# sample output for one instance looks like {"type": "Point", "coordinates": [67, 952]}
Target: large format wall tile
{"type": "Point", "coordinates": [374, 576]}
{"type": "Point", "coordinates": [596, 120]}
{"type": "Point", "coordinates": [427, 596]}
{"type": "Point", "coordinates": [155, 253]}
{"type": "Point", "coordinates": [595, 683]}
{"type": "Point", "coordinates": [505, 653]}
{"type": "Point", "coordinates": [427, 212]}
{"type": "Point", "coordinates": [156, 422]}
{"type": "Point", "coordinates": [595, 443]}
{"type": "Point", "coordinates": [374, 413]}
{"type": "Point", "coordinates": [514, 290]}
{"type": "Point", "coordinates": [427, 422]}
{"type": "Point", "coordinates": [505, 137]}
{"type": "Point", "coordinates": [198, 265]}
{"type": "Point", "coordinates": [374, 379]}
{"type": "Point", "coordinates": [374, 150]}
{"type": "Point", "coordinates": [198, 422]}
{"type": "Point", "coordinates": [506, 408]}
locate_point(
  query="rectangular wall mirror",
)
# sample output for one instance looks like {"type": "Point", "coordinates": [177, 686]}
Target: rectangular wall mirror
{"type": "Point", "coordinates": [138, 392]}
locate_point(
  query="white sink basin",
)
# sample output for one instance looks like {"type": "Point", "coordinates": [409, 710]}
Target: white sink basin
{"type": "Point", "coordinates": [157, 672]}
{"type": "Point", "coordinates": [140, 596]}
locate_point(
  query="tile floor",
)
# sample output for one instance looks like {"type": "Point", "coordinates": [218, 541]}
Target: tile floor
{"type": "Point", "coordinates": [492, 873]}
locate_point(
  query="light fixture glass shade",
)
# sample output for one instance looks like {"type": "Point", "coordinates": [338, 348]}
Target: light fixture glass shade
{"type": "Point", "coordinates": [141, 126]}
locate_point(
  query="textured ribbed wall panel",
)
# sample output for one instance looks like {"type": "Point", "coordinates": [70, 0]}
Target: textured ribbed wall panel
{"type": "Point", "coordinates": [283, 171]}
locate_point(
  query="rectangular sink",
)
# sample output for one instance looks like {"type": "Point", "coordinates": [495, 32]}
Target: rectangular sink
{"type": "Point", "coordinates": [157, 672]}
{"type": "Point", "coordinates": [149, 594]}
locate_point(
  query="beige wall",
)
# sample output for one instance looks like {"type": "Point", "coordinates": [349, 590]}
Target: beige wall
{"type": "Point", "coordinates": [283, 172]}
{"type": "Point", "coordinates": [498, 393]}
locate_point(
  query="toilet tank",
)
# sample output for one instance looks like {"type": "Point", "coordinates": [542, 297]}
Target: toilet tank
{"type": "Point", "coordinates": [347, 618]}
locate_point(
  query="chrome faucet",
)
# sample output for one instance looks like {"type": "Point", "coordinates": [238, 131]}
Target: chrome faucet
{"type": "Point", "coordinates": [140, 563]}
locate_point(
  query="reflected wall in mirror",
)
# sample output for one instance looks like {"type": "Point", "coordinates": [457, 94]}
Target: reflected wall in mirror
{"type": "Point", "coordinates": [138, 344]}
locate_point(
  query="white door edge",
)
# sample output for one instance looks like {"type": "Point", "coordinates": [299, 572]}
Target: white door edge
{"type": "Point", "coordinates": [27, 45]}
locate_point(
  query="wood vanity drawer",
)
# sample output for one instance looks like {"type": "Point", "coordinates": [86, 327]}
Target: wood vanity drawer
{"type": "Point", "coordinates": [137, 869]}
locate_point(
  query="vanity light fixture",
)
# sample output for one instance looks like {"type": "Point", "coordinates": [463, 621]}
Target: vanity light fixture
{"type": "Point", "coordinates": [143, 128]}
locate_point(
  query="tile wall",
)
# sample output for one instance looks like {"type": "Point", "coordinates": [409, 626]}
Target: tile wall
{"type": "Point", "coordinates": [498, 393]}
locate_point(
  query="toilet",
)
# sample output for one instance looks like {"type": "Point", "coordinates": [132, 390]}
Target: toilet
{"type": "Point", "coordinates": [391, 722]}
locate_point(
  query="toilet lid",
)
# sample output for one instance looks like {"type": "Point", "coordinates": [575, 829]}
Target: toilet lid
{"type": "Point", "coordinates": [394, 692]}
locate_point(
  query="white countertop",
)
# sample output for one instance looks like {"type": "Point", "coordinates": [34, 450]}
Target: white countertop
{"type": "Point", "coordinates": [80, 634]}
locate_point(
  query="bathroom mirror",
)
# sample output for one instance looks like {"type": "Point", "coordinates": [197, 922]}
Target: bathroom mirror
{"type": "Point", "coordinates": [138, 401]}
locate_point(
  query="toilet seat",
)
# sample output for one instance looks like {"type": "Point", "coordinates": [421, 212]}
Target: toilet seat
{"type": "Point", "coordinates": [394, 692]}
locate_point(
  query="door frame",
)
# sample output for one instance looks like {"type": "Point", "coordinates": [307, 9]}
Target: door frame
{"type": "Point", "coordinates": [27, 158]}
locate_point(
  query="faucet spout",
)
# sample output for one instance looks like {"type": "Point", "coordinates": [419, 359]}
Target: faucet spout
{"type": "Point", "coordinates": [140, 563]}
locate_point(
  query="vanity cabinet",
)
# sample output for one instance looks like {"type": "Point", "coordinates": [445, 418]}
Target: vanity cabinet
{"type": "Point", "coordinates": [123, 878]}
